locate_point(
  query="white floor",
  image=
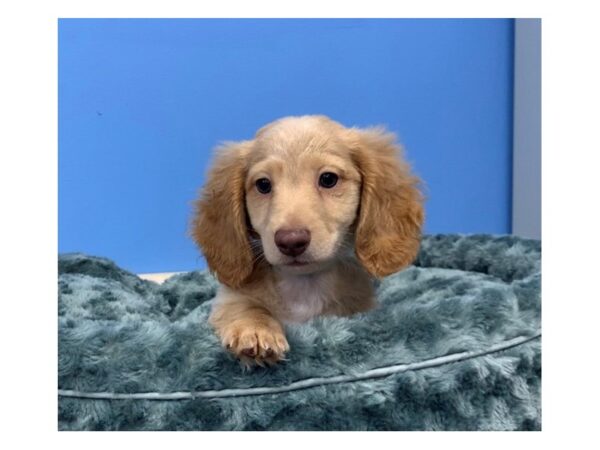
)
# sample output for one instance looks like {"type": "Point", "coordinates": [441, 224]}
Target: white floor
{"type": "Point", "coordinates": [157, 277]}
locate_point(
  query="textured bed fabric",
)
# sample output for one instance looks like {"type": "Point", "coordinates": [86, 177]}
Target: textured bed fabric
{"type": "Point", "coordinates": [454, 344]}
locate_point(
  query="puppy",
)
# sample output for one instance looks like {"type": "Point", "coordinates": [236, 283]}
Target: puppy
{"type": "Point", "coordinates": [297, 222]}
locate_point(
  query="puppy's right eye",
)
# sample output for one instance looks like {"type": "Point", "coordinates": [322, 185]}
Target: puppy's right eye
{"type": "Point", "coordinates": [263, 185]}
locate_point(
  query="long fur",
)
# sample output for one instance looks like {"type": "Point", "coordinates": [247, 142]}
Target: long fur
{"type": "Point", "coordinates": [391, 211]}
{"type": "Point", "coordinates": [220, 225]}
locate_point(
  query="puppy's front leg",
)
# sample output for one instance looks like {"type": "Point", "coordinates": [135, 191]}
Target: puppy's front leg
{"type": "Point", "coordinates": [247, 329]}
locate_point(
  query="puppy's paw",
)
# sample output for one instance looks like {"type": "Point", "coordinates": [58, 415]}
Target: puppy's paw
{"type": "Point", "coordinates": [255, 344]}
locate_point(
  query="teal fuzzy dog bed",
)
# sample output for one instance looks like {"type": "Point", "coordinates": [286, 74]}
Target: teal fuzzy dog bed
{"type": "Point", "coordinates": [454, 344]}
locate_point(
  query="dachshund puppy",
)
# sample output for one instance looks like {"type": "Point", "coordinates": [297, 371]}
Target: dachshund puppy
{"type": "Point", "coordinates": [297, 222]}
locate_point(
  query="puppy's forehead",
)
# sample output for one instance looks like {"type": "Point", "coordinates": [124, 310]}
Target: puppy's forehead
{"type": "Point", "coordinates": [292, 138]}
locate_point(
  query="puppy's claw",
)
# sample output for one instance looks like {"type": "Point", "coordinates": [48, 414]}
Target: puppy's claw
{"type": "Point", "coordinates": [249, 352]}
{"type": "Point", "coordinates": [256, 345]}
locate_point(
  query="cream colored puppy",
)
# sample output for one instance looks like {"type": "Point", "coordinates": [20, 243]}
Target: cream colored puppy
{"type": "Point", "coordinates": [296, 223]}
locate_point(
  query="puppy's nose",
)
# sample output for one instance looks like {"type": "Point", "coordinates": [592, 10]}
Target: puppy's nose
{"type": "Point", "coordinates": [292, 242]}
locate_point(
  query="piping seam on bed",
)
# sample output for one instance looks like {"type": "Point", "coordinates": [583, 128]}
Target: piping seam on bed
{"type": "Point", "coordinates": [306, 383]}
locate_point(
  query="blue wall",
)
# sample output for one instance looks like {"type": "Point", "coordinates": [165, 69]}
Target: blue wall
{"type": "Point", "coordinates": [143, 102]}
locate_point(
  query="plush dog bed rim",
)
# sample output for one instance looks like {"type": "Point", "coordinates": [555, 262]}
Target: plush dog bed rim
{"type": "Point", "coordinates": [307, 383]}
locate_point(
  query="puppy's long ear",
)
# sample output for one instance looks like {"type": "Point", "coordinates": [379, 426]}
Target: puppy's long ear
{"type": "Point", "coordinates": [388, 228]}
{"type": "Point", "coordinates": [219, 226]}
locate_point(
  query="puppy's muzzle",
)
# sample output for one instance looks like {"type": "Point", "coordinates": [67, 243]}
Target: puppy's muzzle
{"type": "Point", "coordinates": [292, 242]}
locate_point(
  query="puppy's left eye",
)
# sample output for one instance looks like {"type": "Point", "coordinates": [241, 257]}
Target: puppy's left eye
{"type": "Point", "coordinates": [328, 180]}
{"type": "Point", "coordinates": [263, 185]}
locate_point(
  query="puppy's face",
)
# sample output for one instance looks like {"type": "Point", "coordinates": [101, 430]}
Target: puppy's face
{"type": "Point", "coordinates": [302, 193]}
